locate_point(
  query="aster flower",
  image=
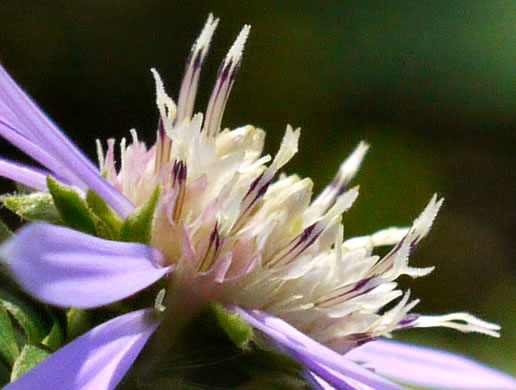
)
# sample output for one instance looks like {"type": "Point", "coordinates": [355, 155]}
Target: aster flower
{"type": "Point", "coordinates": [205, 212]}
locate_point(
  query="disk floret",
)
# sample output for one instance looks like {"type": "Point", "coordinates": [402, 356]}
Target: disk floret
{"type": "Point", "coordinates": [242, 233]}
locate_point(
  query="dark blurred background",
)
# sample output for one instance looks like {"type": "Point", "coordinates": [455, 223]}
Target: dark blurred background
{"type": "Point", "coordinates": [431, 85]}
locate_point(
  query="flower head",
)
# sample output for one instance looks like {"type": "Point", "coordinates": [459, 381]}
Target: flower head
{"type": "Point", "coordinates": [220, 222]}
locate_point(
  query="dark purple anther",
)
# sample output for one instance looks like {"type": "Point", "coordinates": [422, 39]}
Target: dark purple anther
{"type": "Point", "coordinates": [161, 129]}
{"type": "Point", "coordinates": [408, 320]}
{"type": "Point", "coordinates": [253, 185]}
{"type": "Point", "coordinates": [223, 72]}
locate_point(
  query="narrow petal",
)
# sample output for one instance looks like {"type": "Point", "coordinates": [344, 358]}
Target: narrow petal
{"type": "Point", "coordinates": [347, 383]}
{"type": "Point", "coordinates": [428, 367]}
{"type": "Point", "coordinates": [98, 360]}
{"type": "Point", "coordinates": [19, 110]}
{"type": "Point", "coordinates": [317, 382]}
{"type": "Point", "coordinates": [67, 268]}
{"type": "Point", "coordinates": [32, 122]}
{"type": "Point", "coordinates": [49, 161]}
{"type": "Point", "coordinates": [32, 177]}
{"type": "Point", "coordinates": [325, 363]}
{"type": "Point", "coordinates": [185, 104]}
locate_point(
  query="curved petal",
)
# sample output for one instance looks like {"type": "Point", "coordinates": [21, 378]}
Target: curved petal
{"type": "Point", "coordinates": [32, 122]}
{"type": "Point", "coordinates": [428, 367]}
{"type": "Point", "coordinates": [37, 153]}
{"type": "Point", "coordinates": [19, 110]}
{"type": "Point", "coordinates": [97, 360]}
{"type": "Point", "coordinates": [67, 268]}
{"type": "Point", "coordinates": [317, 382]}
{"type": "Point", "coordinates": [320, 384]}
{"type": "Point", "coordinates": [32, 177]}
{"type": "Point", "coordinates": [322, 361]}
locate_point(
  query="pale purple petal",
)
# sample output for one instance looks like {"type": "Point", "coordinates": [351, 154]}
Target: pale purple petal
{"type": "Point", "coordinates": [20, 111]}
{"type": "Point", "coordinates": [97, 360]}
{"type": "Point", "coordinates": [320, 384]}
{"type": "Point", "coordinates": [428, 367]}
{"type": "Point", "coordinates": [32, 122]}
{"type": "Point", "coordinates": [322, 361]}
{"type": "Point", "coordinates": [67, 268]}
{"type": "Point", "coordinates": [37, 153]}
{"type": "Point", "coordinates": [317, 382]}
{"type": "Point", "coordinates": [32, 177]}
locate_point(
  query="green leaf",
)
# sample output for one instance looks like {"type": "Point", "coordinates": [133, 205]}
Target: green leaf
{"type": "Point", "coordinates": [37, 206]}
{"type": "Point", "coordinates": [55, 338]}
{"type": "Point", "coordinates": [238, 331]}
{"type": "Point", "coordinates": [27, 318]}
{"type": "Point", "coordinates": [78, 321]}
{"type": "Point", "coordinates": [138, 226]}
{"type": "Point", "coordinates": [5, 232]}
{"type": "Point", "coordinates": [72, 208]}
{"type": "Point", "coordinates": [8, 345]}
{"type": "Point", "coordinates": [102, 210]}
{"type": "Point", "coordinates": [30, 357]}
{"type": "Point", "coordinates": [107, 223]}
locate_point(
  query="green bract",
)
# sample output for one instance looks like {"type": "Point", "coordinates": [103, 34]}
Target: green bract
{"type": "Point", "coordinates": [30, 356]}
{"type": "Point", "coordinates": [55, 338]}
{"type": "Point", "coordinates": [74, 210]}
{"type": "Point", "coordinates": [78, 321]}
{"type": "Point", "coordinates": [238, 331]}
{"type": "Point", "coordinates": [27, 319]}
{"type": "Point", "coordinates": [37, 206]}
{"type": "Point", "coordinates": [8, 346]}
{"type": "Point", "coordinates": [138, 226]}
{"type": "Point", "coordinates": [23, 328]}
{"type": "Point", "coordinates": [105, 219]}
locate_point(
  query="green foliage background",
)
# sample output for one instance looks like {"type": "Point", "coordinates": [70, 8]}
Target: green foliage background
{"type": "Point", "coordinates": [430, 85]}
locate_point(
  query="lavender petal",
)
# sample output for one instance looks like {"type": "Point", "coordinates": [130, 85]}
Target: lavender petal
{"type": "Point", "coordinates": [32, 122]}
{"type": "Point", "coordinates": [37, 153]}
{"type": "Point", "coordinates": [428, 367]}
{"type": "Point", "coordinates": [18, 109]}
{"type": "Point", "coordinates": [67, 268]}
{"type": "Point", "coordinates": [317, 382]}
{"type": "Point", "coordinates": [98, 360]}
{"type": "Point", "coordinates": [32, 177]}
{"type": "Point", "coordinates": [327, 364]}
{"type": "Point", "coordinates": [320, 384]}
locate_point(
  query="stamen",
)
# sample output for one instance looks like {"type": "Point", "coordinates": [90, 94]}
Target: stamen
{"type": "Point", "coordinates": [225, 79]}
{"type": "Point", "coordinates": [384, 237]}
{"type": "Point", "coordinates": [359, 339]}
{"type": "Point", "coordinates": [312, 233]}
{"type": "Point", "coordinates": [188, 92]}
{"type": "Point", "coordinates": [397, 258]}
{"type": "Point", "coordinates": [166, 106]}
{"type": "Point", "coordinates": [259, 186]}
{"type": "Point", "coordinates": [423, 223]}
{"type": "Point", "coordinates": [167, 110]}
{"type": "Point", "coordinates": [257, 189]}
{"type": "Point", "coordinates": [398, 316]}
{"type": "Point", "coordinates": [179, 173]}
{"type": "Point", "coordinates": [348, 292]}
{"type": "Point", "coordinates": [340, 183]}
{"type": "Point", "coordinates": [158, 303]}
{"type": "Point", "coordinates": [464, 322]}
{"type": "Point", "coordinates": [212, 251]}
{"type": "Point", "coordinates": [100, 155]}
{"type": "Point", "coordinates": [297, 246]}
{"type": "Point", "coordinates": [408, 321]}
{"type": "Point", "coordinates": [159, 151]}
{"type": "Point", "coordinates": [123, 166]}
{"type": "Point", "coordinates": [163, 147]}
